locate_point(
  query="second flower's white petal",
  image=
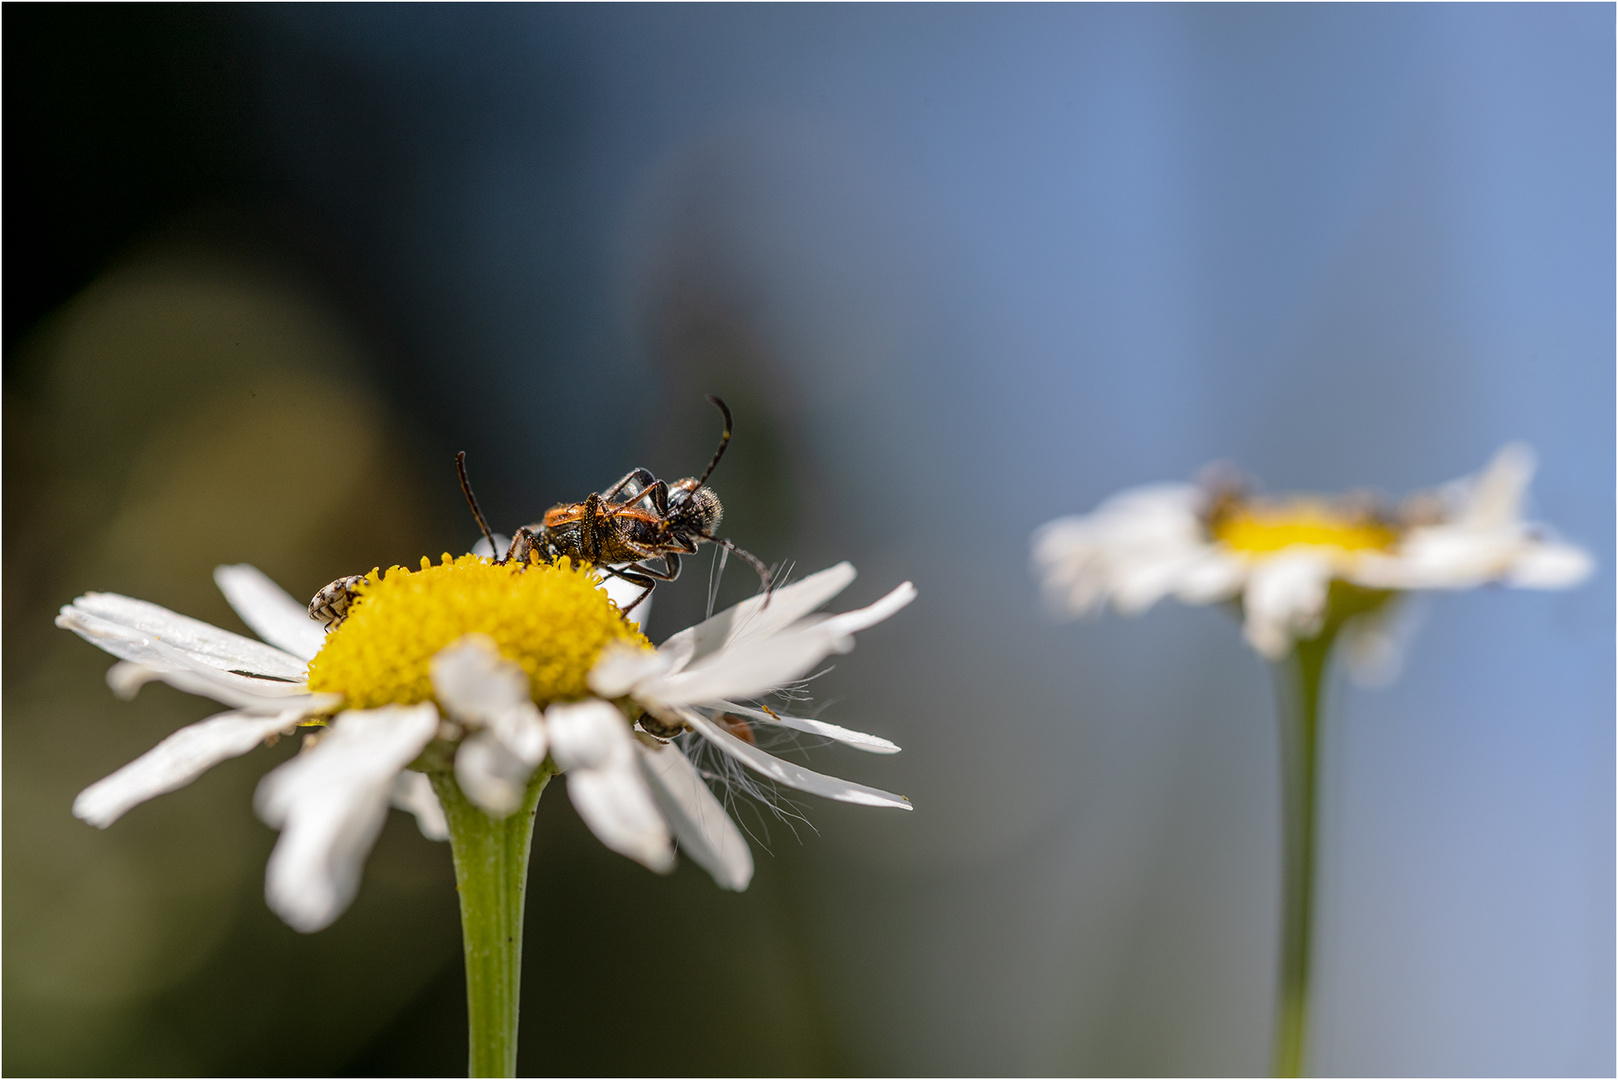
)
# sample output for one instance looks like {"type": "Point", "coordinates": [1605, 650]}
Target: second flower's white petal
{"type": "Point", "coordinates": [270, 611]}
{"type": "Point", "coordinates": [592, 743]}
{"type": "Point", "coordinates": [753, 618]}
{"type": "Point", "coordinates": [1212, 577]}
{"type": "Point", "coordinates": [208, 644]}
{"type": "Point", "coordinates": [704, 830]}
{"type": "Point", "coordinates": [176, 761]}
{"type": "Point", "coordinates": [1549, 564]}
{"type": "Point", "coordinates": [1132, 550]}
{"type": "Point", "coordinates": [330, 804]}
{"type": "Point", "coordinates": [874, 744]}
{"type": "Point", "coordinates": [1493, 498]}
{"type": "Point", "coordinates": [412, 791]}
{"type": "Point", "coordinates": [1285, 599]}
{"type": "Point", "coordinates": [1373, 645]}
{"type": "Point", "coordinates": [784, 772]}
{"type": "Point", "coordinates": [492, 776]}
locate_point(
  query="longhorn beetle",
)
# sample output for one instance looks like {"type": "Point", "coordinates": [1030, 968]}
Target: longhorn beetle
{"type": "Point", "coordinates": [637, 519]}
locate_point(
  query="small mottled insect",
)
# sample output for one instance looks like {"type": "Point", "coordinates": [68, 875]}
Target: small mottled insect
{"type": "Point", "coordinates": [330, 605]}
{"type": "Point", "coordinates": [637, 519]}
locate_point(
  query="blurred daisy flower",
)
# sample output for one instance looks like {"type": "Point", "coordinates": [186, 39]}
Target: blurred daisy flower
{"type": "Point", "coordinates": [491, 674]}
{"type": "Point", "coordinates": [1307, 573]}
{"type": "Point", "coordinates": [1296, 564]}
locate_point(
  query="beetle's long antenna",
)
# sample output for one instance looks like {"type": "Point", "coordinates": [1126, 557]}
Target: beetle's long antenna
{"type": "Point", "coordinates": [752, 560]}
{"type": "Point", "coordinates": [724, 441]}
{"type": "Point", "coordinates": [472, 501]}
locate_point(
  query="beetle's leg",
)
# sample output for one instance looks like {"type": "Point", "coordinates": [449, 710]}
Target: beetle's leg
{"type": "Point", "coordinates": [641, 479]}
{"type": "Point", "coordinates": [670, 571]}
{"type": "Point", "coordinates": [658, 492]}
{"type": "Point", "coordinates": [590, 529]}
{"type": "Point", "coordinates": [529, 538]}
{"type": "Point", "coordinates": [645, 580]}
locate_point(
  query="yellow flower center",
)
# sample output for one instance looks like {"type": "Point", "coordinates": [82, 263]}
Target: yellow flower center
{"type": "Point", "coordinates": [1258, 529]}
{"type": "Point", "coordinates": [551, 619]}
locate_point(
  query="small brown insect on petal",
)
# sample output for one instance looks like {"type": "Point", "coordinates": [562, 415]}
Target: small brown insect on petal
{"type": "Point", "coordinates": [737, 726]}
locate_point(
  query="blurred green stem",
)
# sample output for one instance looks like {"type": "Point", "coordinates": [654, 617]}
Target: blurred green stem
{"type": "Point", "coordinates": [1300, 681]}
{"type": "Point", "coordinates": [491, 874]}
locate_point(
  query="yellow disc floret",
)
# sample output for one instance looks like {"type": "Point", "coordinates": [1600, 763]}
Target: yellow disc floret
{"type": "Point", "coordinates": [1260, 529]}
{"type": "Point", "coordinates": [551, 619]}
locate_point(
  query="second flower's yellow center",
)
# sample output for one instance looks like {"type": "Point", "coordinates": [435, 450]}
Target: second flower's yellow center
{"type": "Point", "coordinates": [551, 619]}
{"type": "Point", "coordinates": [1260, 529]}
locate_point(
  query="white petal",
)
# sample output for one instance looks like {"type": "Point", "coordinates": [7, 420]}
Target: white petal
{"type": "Point", "coordinates": [1548, 564]}
{"type": "Point", "coordinates": [753, 619]}
{"type": "Point", "coordinates": [623, 593]}
{"type": "Point", "coordinates": [1137, 584]}
{"type": "Point", "coordinates": [270, 611]}
{"type": "Point", "coordinates": [480, 688]}
{"type": "Point", "coordinates": [1134, 549]}
{"type": "Point", "coordinates": [585, 734]}
{"type": "Point", "coordinates": [704, 830]}
{"type": "Point", "coordinates": [592, 742]}
{"type": "Point", "coordinates": [126, 643]}
{"type": "Point", "coordinates": [1493, 497]}
{"type": "Point", "coordinates": [1285, 599]}
{"type": "Point", "coordinates": [1213, 577]}
{"type": "Point", "coordinates": [784, 772]}
{"type": "Point", "coordinates": [176, 761]}
{"type": "Point", "coordinates": [874, 744]}
{"type": "Point", "coordinates": [209, 644]}
{"type": "Point", "coordinates": [330, 804]}
{"type": "Point", "coordinates": [746, 670]}
{"type": "Point", "coordinates": [522, 729]}
{"type": "Point", "coordinates": [502, 544]}
{"type": "Point", "coordinates": [491, 775]}
{"type": "Point", "coordinates": [474, 682]}
{"type": "Point", "coordinates": [1373, 645]}
{"type": "Point", "coordinates": [749, 665]}
{"type": "Point", "coordinates": [621, 666]}
{"type": "Point", "coordinates": [126, 677]}
{"type": "Point", "coordinates": [412, 791]}
{"type": "Point", "coordinates": [851, 622]}
{"type": "Point", "coordinates": [1438, 557]}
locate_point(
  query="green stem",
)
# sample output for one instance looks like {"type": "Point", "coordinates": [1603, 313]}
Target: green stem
{"type": "Point", "coordinates": [1300, 685]}
{"type": "Point", "coordinates": [491, 874]}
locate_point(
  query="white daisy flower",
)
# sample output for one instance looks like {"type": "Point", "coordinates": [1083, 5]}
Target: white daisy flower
{"type": "Point", "coordinates": [1299, 563]}
{"type": "Point", "coordinates": [486, 670]}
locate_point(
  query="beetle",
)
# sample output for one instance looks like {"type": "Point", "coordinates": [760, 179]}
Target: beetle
{"type": "Point", "coordinates": [638, 519]}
